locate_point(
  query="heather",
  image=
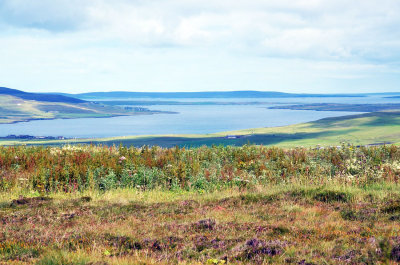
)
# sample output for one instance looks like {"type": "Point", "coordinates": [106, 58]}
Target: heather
{"type": "Point", "coordinates": [207, 205]}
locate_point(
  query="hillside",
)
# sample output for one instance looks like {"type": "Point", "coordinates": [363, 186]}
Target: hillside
{"type": "Point", "coordinates": [38, 96]}
{"type": "Point", "coordinates": [16, 109]}
{"type": "Point", "coordinates": [225, 94]}
{"type": "Point", "coordinates": [341, 107]}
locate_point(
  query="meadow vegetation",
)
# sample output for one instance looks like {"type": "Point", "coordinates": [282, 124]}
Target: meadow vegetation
{"type": "Point", "coordinates": [207, 205]}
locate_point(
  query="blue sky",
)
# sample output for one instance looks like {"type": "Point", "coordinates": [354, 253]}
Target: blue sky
{"type": "Point", "coordinates": [307, 46]}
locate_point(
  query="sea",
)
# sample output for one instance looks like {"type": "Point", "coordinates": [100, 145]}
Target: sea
{"type": "Point", "coordinates": [189, 119]}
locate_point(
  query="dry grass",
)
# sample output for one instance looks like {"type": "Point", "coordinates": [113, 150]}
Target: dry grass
{"type": "Point", "coordinates": [267, 225]}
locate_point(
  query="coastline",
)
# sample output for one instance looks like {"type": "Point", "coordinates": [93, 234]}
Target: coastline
{"type": "Point", "coordinates": [360, 129]}
{"type": "Point", "coordinates": [92, 117]}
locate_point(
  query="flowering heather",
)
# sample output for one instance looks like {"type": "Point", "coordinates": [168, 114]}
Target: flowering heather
{"type": "Point", "coordinates": [207, 205]}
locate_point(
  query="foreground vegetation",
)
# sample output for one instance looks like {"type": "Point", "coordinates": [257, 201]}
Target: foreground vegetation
{"type": "Point", "coordinates": [218, 205]}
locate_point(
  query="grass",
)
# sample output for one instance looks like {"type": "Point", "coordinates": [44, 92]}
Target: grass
{"type": "Point", "coordinates": [270, 225]}
{"type": "Point", "coordinates": [364, 129]}
{"type": "Point", "coordinates": [218, 205]}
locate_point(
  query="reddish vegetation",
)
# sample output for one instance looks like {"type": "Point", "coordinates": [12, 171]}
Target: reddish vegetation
{"type": "Point", "coordinates": [267, 205]}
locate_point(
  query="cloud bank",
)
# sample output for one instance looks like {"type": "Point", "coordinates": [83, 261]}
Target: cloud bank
{"type": "Point", "coordinates": [190, 45]}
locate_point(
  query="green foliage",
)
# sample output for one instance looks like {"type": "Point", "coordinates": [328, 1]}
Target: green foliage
{"type": "Point", "coordinates": [79, 168]}
{"type": "Point", "coordinates": [108, 182]}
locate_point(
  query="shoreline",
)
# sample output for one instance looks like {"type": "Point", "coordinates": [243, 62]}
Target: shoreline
{"type": "Point", "coordinates": [360, 129]}
{"type": "Point", "coordinates": [94, 117]}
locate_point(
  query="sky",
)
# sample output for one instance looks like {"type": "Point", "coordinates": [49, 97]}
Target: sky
{"type": "Point", "coordinates": [298, 46]}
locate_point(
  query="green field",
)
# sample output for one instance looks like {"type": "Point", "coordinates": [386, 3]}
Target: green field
{"type": "Point", "coordinates": [363, 129]}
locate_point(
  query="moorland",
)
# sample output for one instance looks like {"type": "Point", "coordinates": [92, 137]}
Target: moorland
{"type": "Point", "coordinates": [208, 205]}
{"type": "Point", "coordinates": [321, 192]}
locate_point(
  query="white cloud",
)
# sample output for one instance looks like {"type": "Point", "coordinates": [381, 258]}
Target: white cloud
{"type": "Point", "coordinates": [95, 44]}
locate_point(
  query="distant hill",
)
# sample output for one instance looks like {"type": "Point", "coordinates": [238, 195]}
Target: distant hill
{"type": "Point", "coordinates": [225, 94]}
{"type": "Point", "coordinates": [20, 106]}
{"type": "Point", "coordinates": [38, 96]}
{"type": "Point", "coordinates": [341, 107]}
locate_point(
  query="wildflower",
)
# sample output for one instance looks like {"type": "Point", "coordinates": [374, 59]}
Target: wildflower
{"type": "Point", "coordinates": [121, 159]}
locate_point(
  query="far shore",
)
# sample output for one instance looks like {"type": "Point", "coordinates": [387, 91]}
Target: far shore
{"type": "Point", "coordinates": [100, 116]}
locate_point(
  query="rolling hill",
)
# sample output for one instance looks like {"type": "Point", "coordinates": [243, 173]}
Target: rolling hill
{"type": "Point", "coordinates": [20, 106]}
{"type": "Point", "coordinates": [39, 96]}
{"type": "Point", "coordinates": [212, 94]}
{"type": "Point", "coordinates": [341, 107]}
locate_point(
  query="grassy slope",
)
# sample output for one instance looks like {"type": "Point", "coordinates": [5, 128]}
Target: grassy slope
{"type": "Point", "coordinates": [14, 109]}
{"type": "Point", "coordinates": [370, 128]}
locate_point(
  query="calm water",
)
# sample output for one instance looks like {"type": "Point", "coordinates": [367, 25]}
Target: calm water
{"type": "Point", "coordinates": [190, 120]}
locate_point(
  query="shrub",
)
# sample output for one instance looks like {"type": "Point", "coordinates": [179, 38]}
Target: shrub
{"type": "Point", "coordinates": [332, 196]}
